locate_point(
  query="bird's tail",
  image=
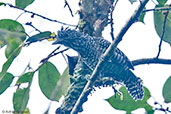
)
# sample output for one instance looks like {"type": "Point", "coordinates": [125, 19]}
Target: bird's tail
{"type": "Point", "coordinates": [134, 86]}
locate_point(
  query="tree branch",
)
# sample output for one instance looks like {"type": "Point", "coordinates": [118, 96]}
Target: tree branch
{"type": "Point", "coordinates": [52, 20]}
{"type": "Point", "coordinates": [53, 54]}
{"type": "Point", "coordinates": [151, 61]}
{"type": "Point", "coordinates": [109, 51]}
{"type": "Point", "coordinates": [111, 20]}
{"type": "Point", "coordinates": [66, 4]}
{"type": "Point", "coordinates": [161, 108]}
{"type": "Point", "coordinates": [158, 9]}
{"type": "Point", "coordinates": [30, 24]}
{"type": "Point", "coordinates": [163, 32]}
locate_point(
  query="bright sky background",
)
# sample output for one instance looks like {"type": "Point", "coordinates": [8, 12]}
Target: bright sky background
{"type": "Point", "coordinates": [141, 41]}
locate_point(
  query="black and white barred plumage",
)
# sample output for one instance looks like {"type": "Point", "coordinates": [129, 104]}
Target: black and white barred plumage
{"type": "Point", "coordinates": [91, 49]}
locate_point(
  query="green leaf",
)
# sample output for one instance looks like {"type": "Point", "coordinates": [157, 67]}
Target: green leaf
{"type": "Point", "coordinates": [167, 90]}
{"type": "Point", "coordinates": [23, 3]}
{"type": "Point", "coordinates": [128, 104]}
{"type": "Point", "coordinates": [11, 25]}
{"type": "Point", "coordinates": [161, 2]}
{"type": "Point", "coordinates": [149, 109]}
{"type": "Point", "coordinates": [20, 99]}
{"type": "Point", "coordinates": [141, 17]}
{"type": "Point", "coordinates": [26, 111]}
{"type": "Point", "coordinates": [5, 82]}
{"type": "Point", "coordinates": [13, 43]}
{"type": "Point", "coordinates": [64, 81]}
{"type": "Point", "coordinates": [11, 34]}
{"type": "Point", "coordinates": [39, 37]}
{"type": "Point", "coordinates": [7, 64]}
{"type": "Point", "coordinates": [48, 78]}
{"type": "Point", "coordinates": [158, 22]}
{"type": "Point", "coordinates": [1, 3]}
{"type": "Point", "coordinates": [6, 36]}
{"type": "Point", "coordinates": [27, 77]}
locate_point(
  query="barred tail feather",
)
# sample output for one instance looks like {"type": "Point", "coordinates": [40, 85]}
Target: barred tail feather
{"type": "Point", "coordinates": [134, 86]}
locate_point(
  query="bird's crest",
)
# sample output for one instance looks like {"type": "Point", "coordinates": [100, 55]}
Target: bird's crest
{"type": "Point", "coordinates": [67, 33]}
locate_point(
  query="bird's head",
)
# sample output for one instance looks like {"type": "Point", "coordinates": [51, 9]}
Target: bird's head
{"type": "Point", "coordinates": [68, 37]}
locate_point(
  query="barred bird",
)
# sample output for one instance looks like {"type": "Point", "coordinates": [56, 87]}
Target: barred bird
{"type": "Point", "coordinates": [91, 49]}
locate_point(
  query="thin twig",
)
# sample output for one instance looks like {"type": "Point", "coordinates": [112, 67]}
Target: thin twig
{"type": "Point", "coordinates": [52, 20]}
{"type": "Point", "coordinates": [49, 56]}
{"type": "Point", "coordinates": [150, 61]}
{"type": "Point", "coordinates": [161, 108]}
{"type": "Point", "coordinates": [64, 58]}
{"type": "Point", "coordinates": [154, 2]}
{"type": "Point", "coordinates": [19, 16]}
{"type": "Point", "coordinates": [158, 9]}
{"type": "Point", "coordinates": [66, 4]}
{"type": "Point", "coordinates": [59, 52]}
{"type": "Point", "coordinates": [46, 59]}
{"type": "Point", "coordinates": [53, 54]}
{"type": "Point", "coordinates": [163, 32]}
{"type": "Point", "coordinates": [109, 52]}
{"type": "Point", "coordinates": [111, 20]}
{"type": "Point", "coordinates": [111, 26]}
{"type": "Point", "coordinates": [30, 24]}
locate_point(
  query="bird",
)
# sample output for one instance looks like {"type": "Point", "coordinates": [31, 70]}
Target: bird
{"type": "Point", "coordinates": [91, 49]}
{"type": "Point", "coordinates": [72, 61]}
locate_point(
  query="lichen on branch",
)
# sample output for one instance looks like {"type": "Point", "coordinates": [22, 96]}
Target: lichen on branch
{"type": "Point", "coordinates": [94, 16]}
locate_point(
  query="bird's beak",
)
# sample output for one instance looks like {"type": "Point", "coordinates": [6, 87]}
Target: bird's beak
{"type": "Point", "coordinates": [58, 41]}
